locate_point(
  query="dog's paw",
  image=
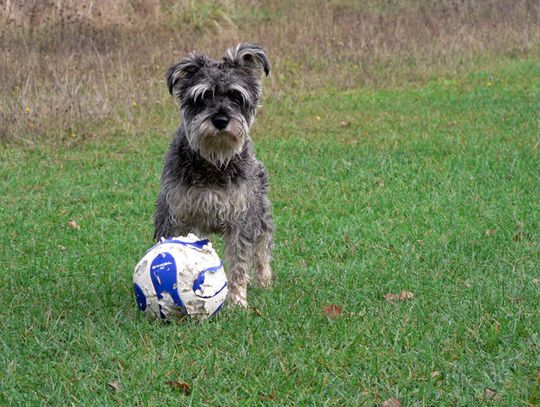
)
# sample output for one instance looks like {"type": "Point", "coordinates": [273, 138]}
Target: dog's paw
{"type": "Point", "coordinates": [264, 278]}
{"type": "Point", "coordinates": [264, 282]}
{"type": "Point", "coordinates": [237, 300]}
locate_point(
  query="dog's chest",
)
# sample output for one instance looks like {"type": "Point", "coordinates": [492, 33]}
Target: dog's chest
{"type": "Point", "coordinates": [209, 207]}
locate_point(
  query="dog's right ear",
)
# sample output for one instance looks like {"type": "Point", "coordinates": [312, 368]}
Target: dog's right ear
{"type": "Point", "coordinates": [179, 74]}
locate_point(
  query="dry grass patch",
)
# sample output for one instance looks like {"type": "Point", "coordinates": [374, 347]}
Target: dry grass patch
{"type": "Point", "coordinates": [67, 66]}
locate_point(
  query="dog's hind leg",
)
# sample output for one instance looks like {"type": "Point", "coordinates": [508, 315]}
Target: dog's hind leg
{"type": "Point", "coordinates": [261, 256]}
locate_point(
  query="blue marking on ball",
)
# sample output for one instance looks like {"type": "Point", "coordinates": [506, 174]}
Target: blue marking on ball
{"type": "Point", "coordinates": [198, 244]}
{"type": "Point", "coordinates": [199, 281]}
{"type": "Point", "coordinates": [163, 275]}
{"type": "Point", "coordinates": [140, 297]}
{"type": "Point", "coordinates": [218, 309]}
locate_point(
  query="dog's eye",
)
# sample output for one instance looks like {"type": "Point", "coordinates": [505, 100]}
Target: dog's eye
{"type": "Point", "coordinates": [203, 97]}
{"type": "Point", "coordinates": [207, 95]}
{"type": "Point", "coordinates": [235, 96]}
{"type": "Point", "coordinates": [199, 100]}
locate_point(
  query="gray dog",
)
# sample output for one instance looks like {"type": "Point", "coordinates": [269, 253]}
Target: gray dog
{"type": "Point", "coordinates": [211, 181]}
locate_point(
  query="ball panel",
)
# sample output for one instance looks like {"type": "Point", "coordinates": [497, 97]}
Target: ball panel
{"type": "Point", "coordinates": [163, 275]}
{"type": "Point", "coordinates": [207, 283]}
{"type": "Point", "coordinates": [217, 309]}
{"type": "Point", "coordinates": [140, 297]}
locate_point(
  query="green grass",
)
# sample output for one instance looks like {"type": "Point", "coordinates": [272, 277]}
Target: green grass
{"type": "Point", "coordinates": [390, 190]}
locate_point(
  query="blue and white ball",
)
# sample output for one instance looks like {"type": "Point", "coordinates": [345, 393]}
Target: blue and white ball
{"type": "Point", "coordinates": [180, 277]}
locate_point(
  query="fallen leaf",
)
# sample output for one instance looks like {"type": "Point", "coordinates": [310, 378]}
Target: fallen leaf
{"type": "Point", "coordinates": [114, 385]}
{"type": "Point", "coordinates": [391, 297]}
{"type": "Point", "coordinates": [406, 295]}
{"type": "Point", "coordinates": [73, 225]}
{"type": "Point", "coordinates": [257, 312]}
{"type": "Point", "coordinates": [490, 394]}
{"type": "Point", "coordinates": [435, 373]}
{"type": "Point", "coordinates": [402, 296]}
{"type": "Point", "coordinates": [491, 232]}
{"type": "Point", "coordinates": [181, 386]}
{"type": "Point", "coordinates": [332, 311]}
{"type": "Point", "coordinates": [318, 118]}
{"type": "Point", "coordinates": [497, 326]}
{"type": "Point", "coordinates": [391, 403]}
{"type": "Point", "coordinates": [345, 124]}
{"type": "Point", "coordinates": [265, 397]}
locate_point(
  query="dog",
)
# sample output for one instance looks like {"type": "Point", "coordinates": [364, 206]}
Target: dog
{"type": "Point", "coordinates": [211, 180]}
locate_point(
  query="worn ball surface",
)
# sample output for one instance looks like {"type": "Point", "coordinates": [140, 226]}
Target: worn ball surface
{"type": "Point", "coordinates": [180, 277]}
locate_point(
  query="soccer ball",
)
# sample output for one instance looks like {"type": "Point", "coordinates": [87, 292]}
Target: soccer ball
{"type": "Point", "coordinates": [180, 277]}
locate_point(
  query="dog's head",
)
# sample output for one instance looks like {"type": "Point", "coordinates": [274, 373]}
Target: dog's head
{"type": "Point", "coordinates": [218, 99]}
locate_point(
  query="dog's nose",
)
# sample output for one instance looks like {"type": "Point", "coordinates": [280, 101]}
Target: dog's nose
{"type": "Point", "coordinates": [220, 121]}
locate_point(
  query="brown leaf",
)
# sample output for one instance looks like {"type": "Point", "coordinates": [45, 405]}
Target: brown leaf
{"type": "Point", "coordinates": [435, 373]}
{"type": "Point", "coordinates": [391, 403]}
{"type": "Point", "coordinates": [332, 311]}
{"type": "Point", "coordinates": [402, 296]}
{"type": "Point", "coordinates": [73, 225]}
{"type": "Point", "coordinates": [181, 386]}
{"type": "Point", "coordinates": [391, 297]}
{"type": "Point", "coordinates": [490, 394]}
{"type": "Point", "coordinates": [491, 232]}
{"type": "Point", "coordinates": [114, 385]}
{"type": "Point", "coordinates": [257, 312]}
{"type": "Point", "coordinates": [497, 326]}
{"type": "Point", "coordinates": [344, 123]}
{"type": "Point", "coordinates": [265, 397]}
{"type": "Point", "coordinates": [406, 295]}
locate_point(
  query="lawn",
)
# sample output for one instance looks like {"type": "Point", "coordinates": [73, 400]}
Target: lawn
{"type": "Point", "coordinates": [431, 189]}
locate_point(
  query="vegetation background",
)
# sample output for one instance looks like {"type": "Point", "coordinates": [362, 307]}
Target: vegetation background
{"type": "Point", "coordinates": [402, 141]}
{"type": "Point", "coordinates": [67, 65]}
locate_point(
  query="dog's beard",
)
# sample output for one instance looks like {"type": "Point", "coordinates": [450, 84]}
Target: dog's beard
{"type": "Point", "coordinates": [217, 146]}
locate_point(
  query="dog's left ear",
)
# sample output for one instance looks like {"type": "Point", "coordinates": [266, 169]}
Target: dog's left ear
{"type": "Point", "coordinates": [179, 74]}
{"type": "Point", "coordinates": [248, 55]}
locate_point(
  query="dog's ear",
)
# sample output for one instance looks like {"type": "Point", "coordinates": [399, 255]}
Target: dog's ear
{"type": "Point", "coordinates": [248, 55]}
{"type": "Point", "coordinates": [183, 71]}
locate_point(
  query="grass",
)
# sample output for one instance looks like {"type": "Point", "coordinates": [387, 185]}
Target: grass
{"type": "Point", "coordinates": [431, 189]}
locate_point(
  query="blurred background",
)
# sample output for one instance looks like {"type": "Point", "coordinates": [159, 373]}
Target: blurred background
{"type": "Point", "coordinates": [79, 69]}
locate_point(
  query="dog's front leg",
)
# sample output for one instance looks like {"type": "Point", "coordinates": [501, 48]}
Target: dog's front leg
{"type": "Point", "coordinates": [165, 224]}
{"type": "Point", "coordinates": [238, 250]}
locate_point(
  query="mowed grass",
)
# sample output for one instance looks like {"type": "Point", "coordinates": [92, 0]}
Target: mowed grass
{"type": "Point", "coordinates": [433, 190]}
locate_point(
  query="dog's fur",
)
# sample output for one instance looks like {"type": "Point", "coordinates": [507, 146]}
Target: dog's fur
{"type": "Point", "coordinates": [211, 181]}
